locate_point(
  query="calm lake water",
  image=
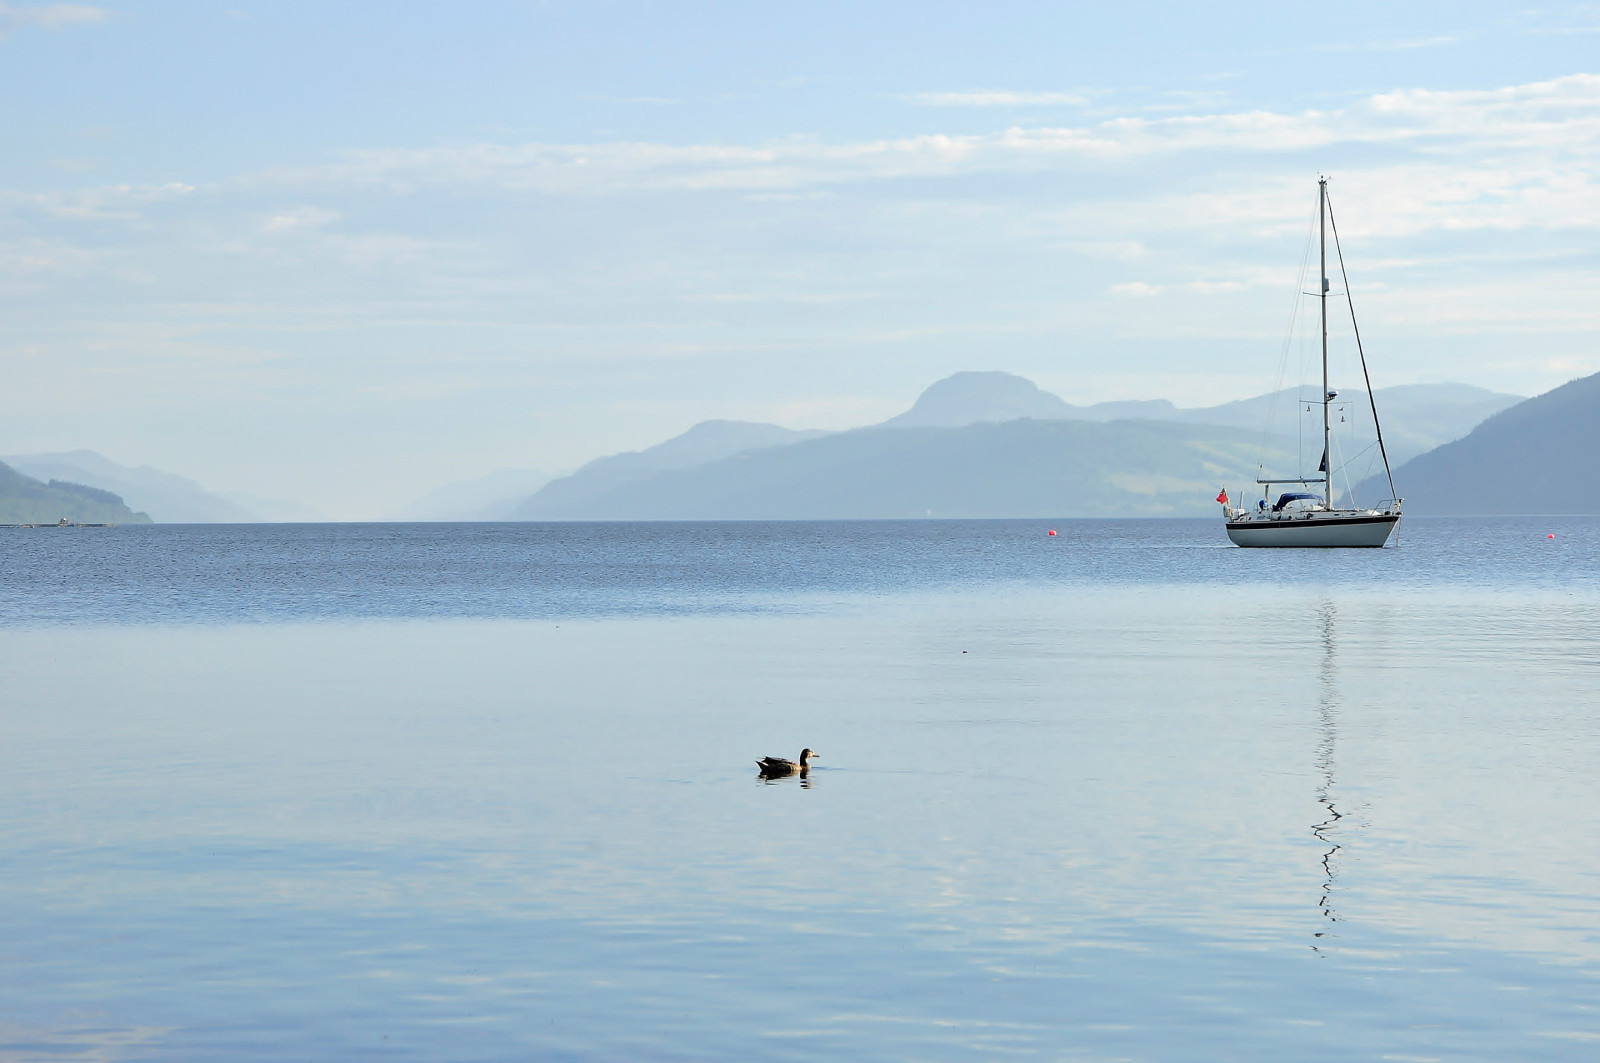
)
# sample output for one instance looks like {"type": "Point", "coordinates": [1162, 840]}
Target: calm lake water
{"type": "Point", "coordinates": [487, 792]}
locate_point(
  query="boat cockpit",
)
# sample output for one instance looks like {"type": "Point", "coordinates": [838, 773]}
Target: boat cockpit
{"type": "Point", "coordinates": [1291, 505]}
{"type": "Point", "coordinates": [1296, 502]}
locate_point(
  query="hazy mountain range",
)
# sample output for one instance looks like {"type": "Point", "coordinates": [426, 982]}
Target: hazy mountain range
{"type": "Point", "coordinates": [973, 444]}
{"type": "Point", "coordinates": [992, 445]}
{"type": "Point", "coordinates": [1416, 417]}
{"type": "Point", "coordinates": [590, 489]}
{"type": "Point", "coordinates": [167, 497]}
{"type": "Point", "coordinates": [1016, 468]}
{"type": "Point", "coordinates": [1536, 457]}
{"type": "Point", "coordinates": [26, 500]}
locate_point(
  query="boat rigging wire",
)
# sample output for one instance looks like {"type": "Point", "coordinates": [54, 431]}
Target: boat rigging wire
{"type": "Point", "coordinates": [1283, 357]}
{"type": "Point", "coordinates": [1376, 425]}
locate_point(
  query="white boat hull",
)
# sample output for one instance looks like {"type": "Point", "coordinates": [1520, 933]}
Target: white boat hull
{"type": "Point", "coordinates": [1315, 530]}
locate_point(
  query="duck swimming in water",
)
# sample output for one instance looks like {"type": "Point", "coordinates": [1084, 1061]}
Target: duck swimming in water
{"type": "Point", "coordinates": [777, 767]}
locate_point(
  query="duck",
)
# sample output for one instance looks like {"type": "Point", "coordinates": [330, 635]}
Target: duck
{"type": "Point", "coordinates": [777, 767]}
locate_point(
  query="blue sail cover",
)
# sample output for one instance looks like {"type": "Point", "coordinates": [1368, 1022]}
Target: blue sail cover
{"type": "Point", "coordinates": [1293, 496]}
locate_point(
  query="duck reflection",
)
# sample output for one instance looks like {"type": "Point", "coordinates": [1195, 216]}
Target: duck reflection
{"type": "Point", "coordinates": [806, 781]}
{"type": "Point", "coordinates": [1328, 733]}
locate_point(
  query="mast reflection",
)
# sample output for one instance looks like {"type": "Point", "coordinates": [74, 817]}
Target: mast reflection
{"type": "Point", "coordinates": [1328, 734]}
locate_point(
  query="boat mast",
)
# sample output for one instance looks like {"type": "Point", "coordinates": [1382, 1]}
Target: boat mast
{"type": "Point", "coordinates": [1322, 240]}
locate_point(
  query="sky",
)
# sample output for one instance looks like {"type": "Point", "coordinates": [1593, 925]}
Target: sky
{"type": "Point", "coordinates": [344, 253]}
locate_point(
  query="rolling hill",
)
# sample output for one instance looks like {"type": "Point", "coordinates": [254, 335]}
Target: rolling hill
{"type": "Point", "coordinates": [24, 500]}
{"type": "Point", "coordinates": [1536, 457]}
{"type": "Point", "coordinates": [166, 497]}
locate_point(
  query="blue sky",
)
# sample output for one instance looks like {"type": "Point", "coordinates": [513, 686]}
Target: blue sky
{"type": "Point", "coordinates": [343, 253]}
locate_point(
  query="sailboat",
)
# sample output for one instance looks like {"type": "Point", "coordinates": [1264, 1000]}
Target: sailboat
{"type": "Point", "coordinates": [1304, 518]}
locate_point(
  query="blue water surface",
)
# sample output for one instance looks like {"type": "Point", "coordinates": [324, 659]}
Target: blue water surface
{"type": "Point", "coordinates": [230, 572]}
{"type": "Point", "coordinates": [487, 792]}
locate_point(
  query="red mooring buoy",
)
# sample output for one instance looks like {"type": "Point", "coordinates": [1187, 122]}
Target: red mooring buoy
{"type": "Point", "coordinates": [1552, 534]}
{"type": "Point", "coordinates": [1053, 531]}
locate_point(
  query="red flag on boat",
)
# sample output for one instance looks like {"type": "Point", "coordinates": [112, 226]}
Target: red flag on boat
{"type": "Point", "coordinates": [1223, 497]}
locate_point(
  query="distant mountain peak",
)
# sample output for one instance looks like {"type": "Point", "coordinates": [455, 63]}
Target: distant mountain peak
{"type": "Point", "coordinates": [974, 397]}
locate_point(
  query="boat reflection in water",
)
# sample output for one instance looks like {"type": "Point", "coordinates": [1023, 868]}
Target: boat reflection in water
{"type": "Point", "coordinates": [1329, 830]}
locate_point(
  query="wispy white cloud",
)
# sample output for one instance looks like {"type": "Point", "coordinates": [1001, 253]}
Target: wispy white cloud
{"type": "Point", "coordinates": [803, 298]}
{"type": "Point", "coordinates": [1550, 301]}
{"type": "Point", "coordinates": [1217, 287]}
{"type": "Point", "coordinates": [49, 16]}
{"type": "Point", "coordinates": [1565, 31]}
{"type": "Point", "coordinates": [301, 234]}
{"type": "Point", "coordinates": [997, 98]}
{"type": "Point", "coordinates": [1395, 45]}
{"type": "Point", "coordinates": [1115, 250]}
{"type": "Point", "coordinates": [25, 260]}
{"type": "Point", "coordinates": [652, 100]}
{"type": "Point", "coordinates": [1179, 100]}
{"type": "Point", "coordinates": [1390, 201]}
{"type": "Point", "coordinates": [299, 218]}
{"type": "Point", "coordinates": [1516, 158]}
{"type": "Point", "coordinates": [375, 251]}
{"type": "Point", "coordinates": [107, 202]}
{"type": "Point", "coordinates": [1415, 42]}
{"type": "Point", "coordinates": [1551, 129]}
{"type": "Point", "coordinates": [1523, 158]}
{"type": "Point", "coordinates": [1554, 124]}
